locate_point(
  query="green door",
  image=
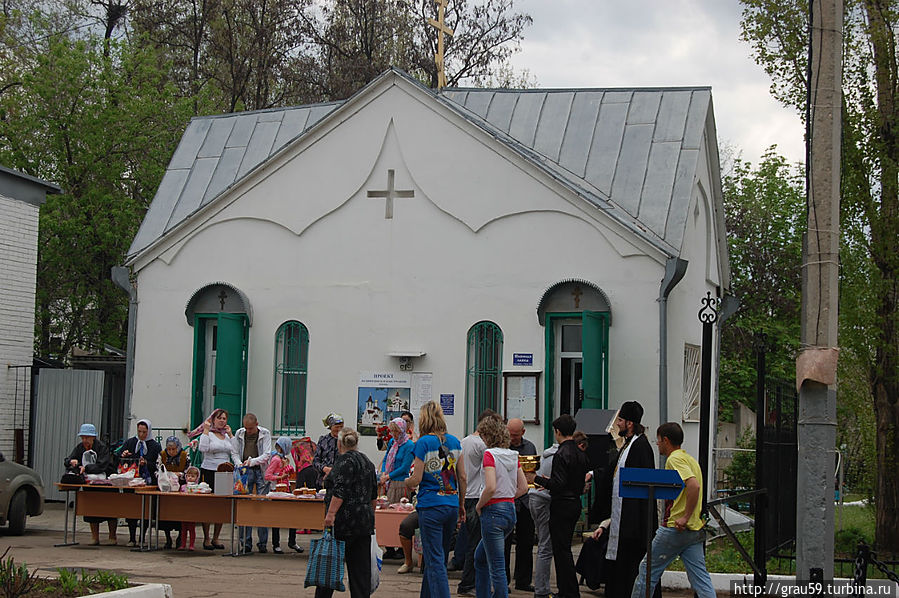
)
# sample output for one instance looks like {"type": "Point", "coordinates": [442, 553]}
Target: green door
{"type": "Point", "coordinates": [595, 342]}
{"type": "Point", "coordinates": [231, 366]}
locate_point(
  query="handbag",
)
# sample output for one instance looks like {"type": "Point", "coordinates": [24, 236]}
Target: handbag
{"type": "Point", "coordinates": [72, 477]}
{"type": "Point", "coordinates": [325, 566]}
{"type": "Point", "coordinates": [591, 562]}
{"type": "Point", "coordinates": [129, 465]}
{"type": "Point", "coordinates": [377, 556]}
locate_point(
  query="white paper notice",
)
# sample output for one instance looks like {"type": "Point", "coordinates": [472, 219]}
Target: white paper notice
{"type": "Point", "coordinates": [514, 408]}
{"type": "Point", "coordinates": [528, 387]}
{"type": "Point", "coordinates": [421, 391]}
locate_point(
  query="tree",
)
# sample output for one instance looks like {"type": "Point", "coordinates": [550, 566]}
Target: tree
{"type": "Point", "coordinates": [777, 31]}
{"type": "Point", "coordinates": [764, 211]}
{"type": "Point", "coordinates": [485, 36]}
{"type": "Point", "coordinates": [358, 39]}
{"type": "Point", "coordinates": [232, 54]}
{"type": "Point", "coordinates": [98, 118]}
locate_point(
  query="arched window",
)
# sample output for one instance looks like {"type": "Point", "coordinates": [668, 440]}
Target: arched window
{"type": "Point", "coordinates": [291, 363]}
{"type": "Point", "coordinates": [484, 363]}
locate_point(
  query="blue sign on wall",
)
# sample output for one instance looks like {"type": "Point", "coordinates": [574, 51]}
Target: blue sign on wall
{"type": "Point", "coordinates": [447, 404]}
{"type": "Point", "coordinates": [522, 359]}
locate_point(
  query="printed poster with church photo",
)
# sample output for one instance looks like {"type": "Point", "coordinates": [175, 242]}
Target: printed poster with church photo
{"type": "Point", "coordinates": [382, 396]}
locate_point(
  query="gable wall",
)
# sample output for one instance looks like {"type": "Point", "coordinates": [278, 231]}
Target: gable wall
{"type": "Point", "coordinates": [481, 240]}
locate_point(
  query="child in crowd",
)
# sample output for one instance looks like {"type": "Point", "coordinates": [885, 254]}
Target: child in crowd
{"type": "Point", "coordinates": [175, 460]}
{"type": "Point", "coordinates": [189, 529]}
{"type": "Point", "coordinates": [279, 471]}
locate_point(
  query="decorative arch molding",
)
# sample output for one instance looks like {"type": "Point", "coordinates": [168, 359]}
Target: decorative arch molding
{"type": "Point", "coordinates": [571, 295]}
{"type": "Point", "coordinates": [216, 297]}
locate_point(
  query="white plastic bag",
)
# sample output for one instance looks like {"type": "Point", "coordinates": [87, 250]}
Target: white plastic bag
{"type": "Point", "coordinates": [377, 556]}
{"type": "Point", "coordinates": [167, 481]}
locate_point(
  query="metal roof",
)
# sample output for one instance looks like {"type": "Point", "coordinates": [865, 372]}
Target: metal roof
{"type": "Point", "coordinates": [25, 187]}
{"type": "Point", "coordinates": [633, 152]}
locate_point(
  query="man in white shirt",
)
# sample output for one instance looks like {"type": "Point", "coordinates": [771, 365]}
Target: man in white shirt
{"type": "Point", "coordinates": [252, 447]}
{"type": "Point", "coordinates": [473, 456]}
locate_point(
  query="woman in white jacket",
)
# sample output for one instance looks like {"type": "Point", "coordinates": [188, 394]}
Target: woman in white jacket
{"type": "Point", "coordinates": [504, 481]}
{"type": "Point", "coordinates": [215, 445]}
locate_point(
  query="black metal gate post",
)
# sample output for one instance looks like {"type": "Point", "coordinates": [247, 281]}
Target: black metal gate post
{"type": "Point", "coordinates": [761, 500]}
{"type": "Point", "coordinates": [708, 315]}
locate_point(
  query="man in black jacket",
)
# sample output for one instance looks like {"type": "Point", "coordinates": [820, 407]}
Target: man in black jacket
{"type": "Point", "coordinates": [565, 485]}
{"type": "Point", "coordinates": [624, 518]}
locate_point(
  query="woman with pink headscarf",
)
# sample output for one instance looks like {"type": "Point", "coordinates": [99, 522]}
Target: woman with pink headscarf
{"type": "Point", "coordinates": [397, 462]}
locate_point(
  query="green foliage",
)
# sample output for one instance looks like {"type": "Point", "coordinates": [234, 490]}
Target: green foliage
{"type": "Point", "coordinates": [15, 580]}
{"type": "Point", "coordinates": [71, 584]}
{"type": "Point", "coordinates": [741, 471]}
{"type": "Point", "coordinates": [110, 581]}
{"type": "Point", "coordinates": [764, 209]}
{"type": "Point", "coordinates": [103, 128]}
{"type": "Point", "coordinates": [869, 222]}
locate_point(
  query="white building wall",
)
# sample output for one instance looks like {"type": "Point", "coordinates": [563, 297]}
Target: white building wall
{"type": "Point", "coordinates": [702, 275]}
{"type": "Point", "coordinates": [18, 276]}
{"type": "Point", "coordinates": [483, 238]}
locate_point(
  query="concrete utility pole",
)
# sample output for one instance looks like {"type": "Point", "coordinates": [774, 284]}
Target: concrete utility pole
{"type": "Point", "coordinates": [817, 362]}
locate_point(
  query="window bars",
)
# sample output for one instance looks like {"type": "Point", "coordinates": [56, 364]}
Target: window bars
{"type": "Point", "coordinates": [291, 369]}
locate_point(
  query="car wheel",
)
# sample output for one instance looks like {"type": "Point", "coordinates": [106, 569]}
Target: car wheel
{"type": "Point", "coordinates": [16, 513]}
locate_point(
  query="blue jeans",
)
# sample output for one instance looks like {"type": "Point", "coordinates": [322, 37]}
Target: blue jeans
{"type": "Point", "coordinates": [667, 546]}
{"type": "Point", "coordinates": [497, 522]}
{"type": "Point", "coordinates": [436, 525]}
{"type": "Point", "coordinates": [256, 484]}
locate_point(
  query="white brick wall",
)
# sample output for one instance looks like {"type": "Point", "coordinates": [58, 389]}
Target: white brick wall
{"type": "Point", "coordinates": [18, 276]}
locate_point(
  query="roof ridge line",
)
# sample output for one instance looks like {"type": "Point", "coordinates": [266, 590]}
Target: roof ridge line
{"type": "Point", "coordinates": [266, 110]}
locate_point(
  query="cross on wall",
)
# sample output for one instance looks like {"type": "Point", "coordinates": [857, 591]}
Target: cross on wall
{"type": "Point", "coordinates": [390, 194]}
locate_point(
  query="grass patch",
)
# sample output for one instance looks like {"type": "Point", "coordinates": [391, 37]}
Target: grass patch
{"type": "Point", "coordinates": [858, 523]}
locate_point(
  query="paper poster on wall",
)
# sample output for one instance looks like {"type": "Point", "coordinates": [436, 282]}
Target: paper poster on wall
{"type": "Point", "coordinates": [522, 396]}
{"type": "Point", "coordinates": [381, 397]}
{"type": "Point", "coordinates": [421, 391]}
{"type": "Point", "coordinates": [447, 403]}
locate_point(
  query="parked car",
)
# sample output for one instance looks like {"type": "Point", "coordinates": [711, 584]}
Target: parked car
{"type": "Point", "coordinates": [21, 494]}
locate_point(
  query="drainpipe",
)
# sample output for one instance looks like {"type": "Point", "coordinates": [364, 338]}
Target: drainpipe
{"type": "Point", "coordinates": [675, 268]}
{"type": "Point", "coordinates": [121, 276]}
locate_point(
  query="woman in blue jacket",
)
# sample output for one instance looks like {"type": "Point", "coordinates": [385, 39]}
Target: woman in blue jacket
{"type": "Point", "coordinates": [397, 462]}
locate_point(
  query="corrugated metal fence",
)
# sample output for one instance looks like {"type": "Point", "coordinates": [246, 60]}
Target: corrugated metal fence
{"type": "Point", "coordinates": [65, 400]}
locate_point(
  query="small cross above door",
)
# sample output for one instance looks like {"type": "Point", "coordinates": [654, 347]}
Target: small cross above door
{"type": "Point", "coordinates": [390, 194]}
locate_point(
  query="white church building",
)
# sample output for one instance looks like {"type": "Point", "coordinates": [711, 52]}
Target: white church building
{"type": "Point", "coordinates": [478, 247]}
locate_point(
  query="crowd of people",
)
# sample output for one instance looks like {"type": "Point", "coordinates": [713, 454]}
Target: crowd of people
{"type": "Point", "coordinates": [472, 492]}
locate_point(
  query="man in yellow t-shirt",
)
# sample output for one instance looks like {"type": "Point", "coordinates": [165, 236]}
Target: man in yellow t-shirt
{"type": "Point", "coordinates": [681, 531]}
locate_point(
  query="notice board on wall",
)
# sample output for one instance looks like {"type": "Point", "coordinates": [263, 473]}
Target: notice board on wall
{"type": "Point", "coordinates": [522, 396]}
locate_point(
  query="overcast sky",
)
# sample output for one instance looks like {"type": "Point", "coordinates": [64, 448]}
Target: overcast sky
{"type": "Point", "coordinates": [633, 43]}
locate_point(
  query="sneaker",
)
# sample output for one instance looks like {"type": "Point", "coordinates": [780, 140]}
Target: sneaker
{"type": "Point", "coordinates": [277, 550]}
{"type": "Point", "coordinates": [261, 550]}
{"type": "Point", "coordinates": [248, 549]}
{"type": "Point", "coordinates": [404, 568]}
{"type": "Point", "coordinates": [131, 544]}
{"type": "Point", "coordinates": [295, 547]}
{"type": "Point", "coordinates": [469, 592]}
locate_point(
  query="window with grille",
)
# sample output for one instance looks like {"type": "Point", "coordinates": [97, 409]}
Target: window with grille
{"type": "Point", "coordinates": [291, 360]}
{"type": "Point", "coordinates": [484, 363]}
{"type": "Point", "coordinates": [692, 355]}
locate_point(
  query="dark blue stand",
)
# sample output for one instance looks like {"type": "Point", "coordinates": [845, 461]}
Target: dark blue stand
{"type": "Point", "coordinates": [651, 484]}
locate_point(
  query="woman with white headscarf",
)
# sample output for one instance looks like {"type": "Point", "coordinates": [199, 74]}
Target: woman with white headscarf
{"type": "Point", "coordinates": [143, 449]}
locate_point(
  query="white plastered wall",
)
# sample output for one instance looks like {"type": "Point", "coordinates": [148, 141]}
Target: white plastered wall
{"type": "Point", "coordinates": [482, 239]}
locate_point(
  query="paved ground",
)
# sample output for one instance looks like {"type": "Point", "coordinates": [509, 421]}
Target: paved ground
{"type": "Point", "coordinates": [196, 574]}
